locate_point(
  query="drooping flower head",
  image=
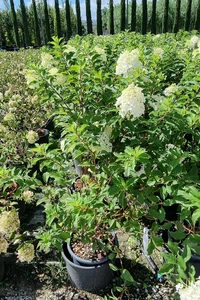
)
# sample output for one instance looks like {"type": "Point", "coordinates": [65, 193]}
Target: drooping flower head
{"type": "Point", "coordinates": [131, 102]}
{"type": "Point", "coordinates": [127, 62]}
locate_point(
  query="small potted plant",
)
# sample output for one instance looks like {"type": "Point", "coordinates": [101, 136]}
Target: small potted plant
{"type": "Point", "coordinates": [80, 225]}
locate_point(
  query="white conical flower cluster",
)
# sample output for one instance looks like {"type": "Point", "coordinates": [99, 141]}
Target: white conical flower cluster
{"type": "Point", "coordinates": [26, 252]}
{"type": "Point", "coordinates": [32, 137]}
{"type": "Point", "coordinates": [9, 221]}
{"type": "Point", "coordinates": [131, 102]}
{"type": "Point", "coordinates": [127, 62]}
{"type": "Point", "coordinates": [27, 196]}
{"type": "Point", "coordinates": [190, 292]}
{"type": "Point", "coordinates": [193, 42]}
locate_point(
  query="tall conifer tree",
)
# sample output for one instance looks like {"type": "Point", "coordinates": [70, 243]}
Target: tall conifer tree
{"type": "Point", "coordinates": [99, 18]}
{"type": "Point", "coordinates": [36, 25]}
{"type": "Point", "coordinates": [144, 16]}
{"type": "Point", "coordinates": [88, 16]}
{"type": "Point", "coordinates": [111, 17]}
{"type": "Point", "coordinates": [47, 25]}
{"type": "Point", "coordinates": [177, 16]}
{"type": "Point", "coordinates": [123, 15]}
{"type": "Point", "coordinates": [188, 15]}
{"type": "Point", "coordinates": [57, 15]}
{"type": "Point", "coordinates": [133, 15]}
{"type": "Point", "coordinates": [68, 19]}
{"type": "Point", "coordinates": [15, 24]}
{"type": "Point", "coordinates": [25, 24]}
{"type": "Point", "coordinates": [197, 21]}
{"type": "Point", "coordinates": [165, 16]}
{"type": "Point", "coordinates": [153, 17]}
{"type": "Point", "coordinates": [78, 17]}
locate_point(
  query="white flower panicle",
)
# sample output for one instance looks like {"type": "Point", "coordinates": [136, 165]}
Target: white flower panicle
{"type": "Point", "coordinates": [31, 76]}
{"type": "Point", "coordinates": [170, 90]}
{"type": "Point", "coordinates": [101, 52]}
{"type": "Point", "coordinates": [158, 52]}
{"type": "Point", "coordinates": [127, 62]}
{"type": "Point", "coordinates": [104, 139]}
{"type": "Point", "coordinates": [46, 59]}
{"type": "Point", "coordinates": [9, 117]}
{"type": "Point", "coordinates": [191, 292]}
{"type": "Point", "coordinates": [26, 252]}
{"type": "Point", "coordinates": [27, 196]}
{"type": "Point", "coordinates": [3, 244]}
{"type": "Point", "coordinates": [131, 102]}
{"type": "Point", "coordinates": [9, 221]}
{"type": "Point", "coordinates": [193, 43]}
{"type": "Point", "coordinates": [32, 137]}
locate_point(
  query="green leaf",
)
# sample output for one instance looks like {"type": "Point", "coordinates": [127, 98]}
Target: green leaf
{"type": "Point", "coordinates": [45, 176]}
{"type": "Point", "coordinates": [177, 235]}
{"type": "Point", "coordinates": [166, 269]}
{"type": "Point", "coordinates": [111, 256]}
{"type": "Point", "coordinates": [181, 273]}
{"type": "Point", "coordinates": [186, 254]}
{"type": "Point", "coordinates": [173, 247]}
{"type": "Point", "coordinates": [151, 247]}
{"type": "Point", "coordinates": [64, 236]}
{"type": "Point", "coordinates": [196, 216]}
{"type": "Point", "coordinates": [122, 200]}
{"type": "Point", "coordinates": [127, 277]}
{"type": "Point", "coordinates": [181, 262]}
{"type": "Point", "coordinates": [113, 267]}
{"type": "Point", "coordinates": [170, 258]}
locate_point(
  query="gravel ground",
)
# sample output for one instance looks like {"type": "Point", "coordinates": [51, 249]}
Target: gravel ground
{"type": "Point", "coordinates": [47, 280]}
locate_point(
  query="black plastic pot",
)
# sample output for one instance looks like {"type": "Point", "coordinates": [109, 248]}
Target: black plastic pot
{"type": "Point", "coordinates": [84, 262]}
{"type": "Point", "coordinates": [87, 278]}
{"type": "Point", "coordinates": [1, 268]}
{"type": "Point", "coordinates": [43, 139]}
